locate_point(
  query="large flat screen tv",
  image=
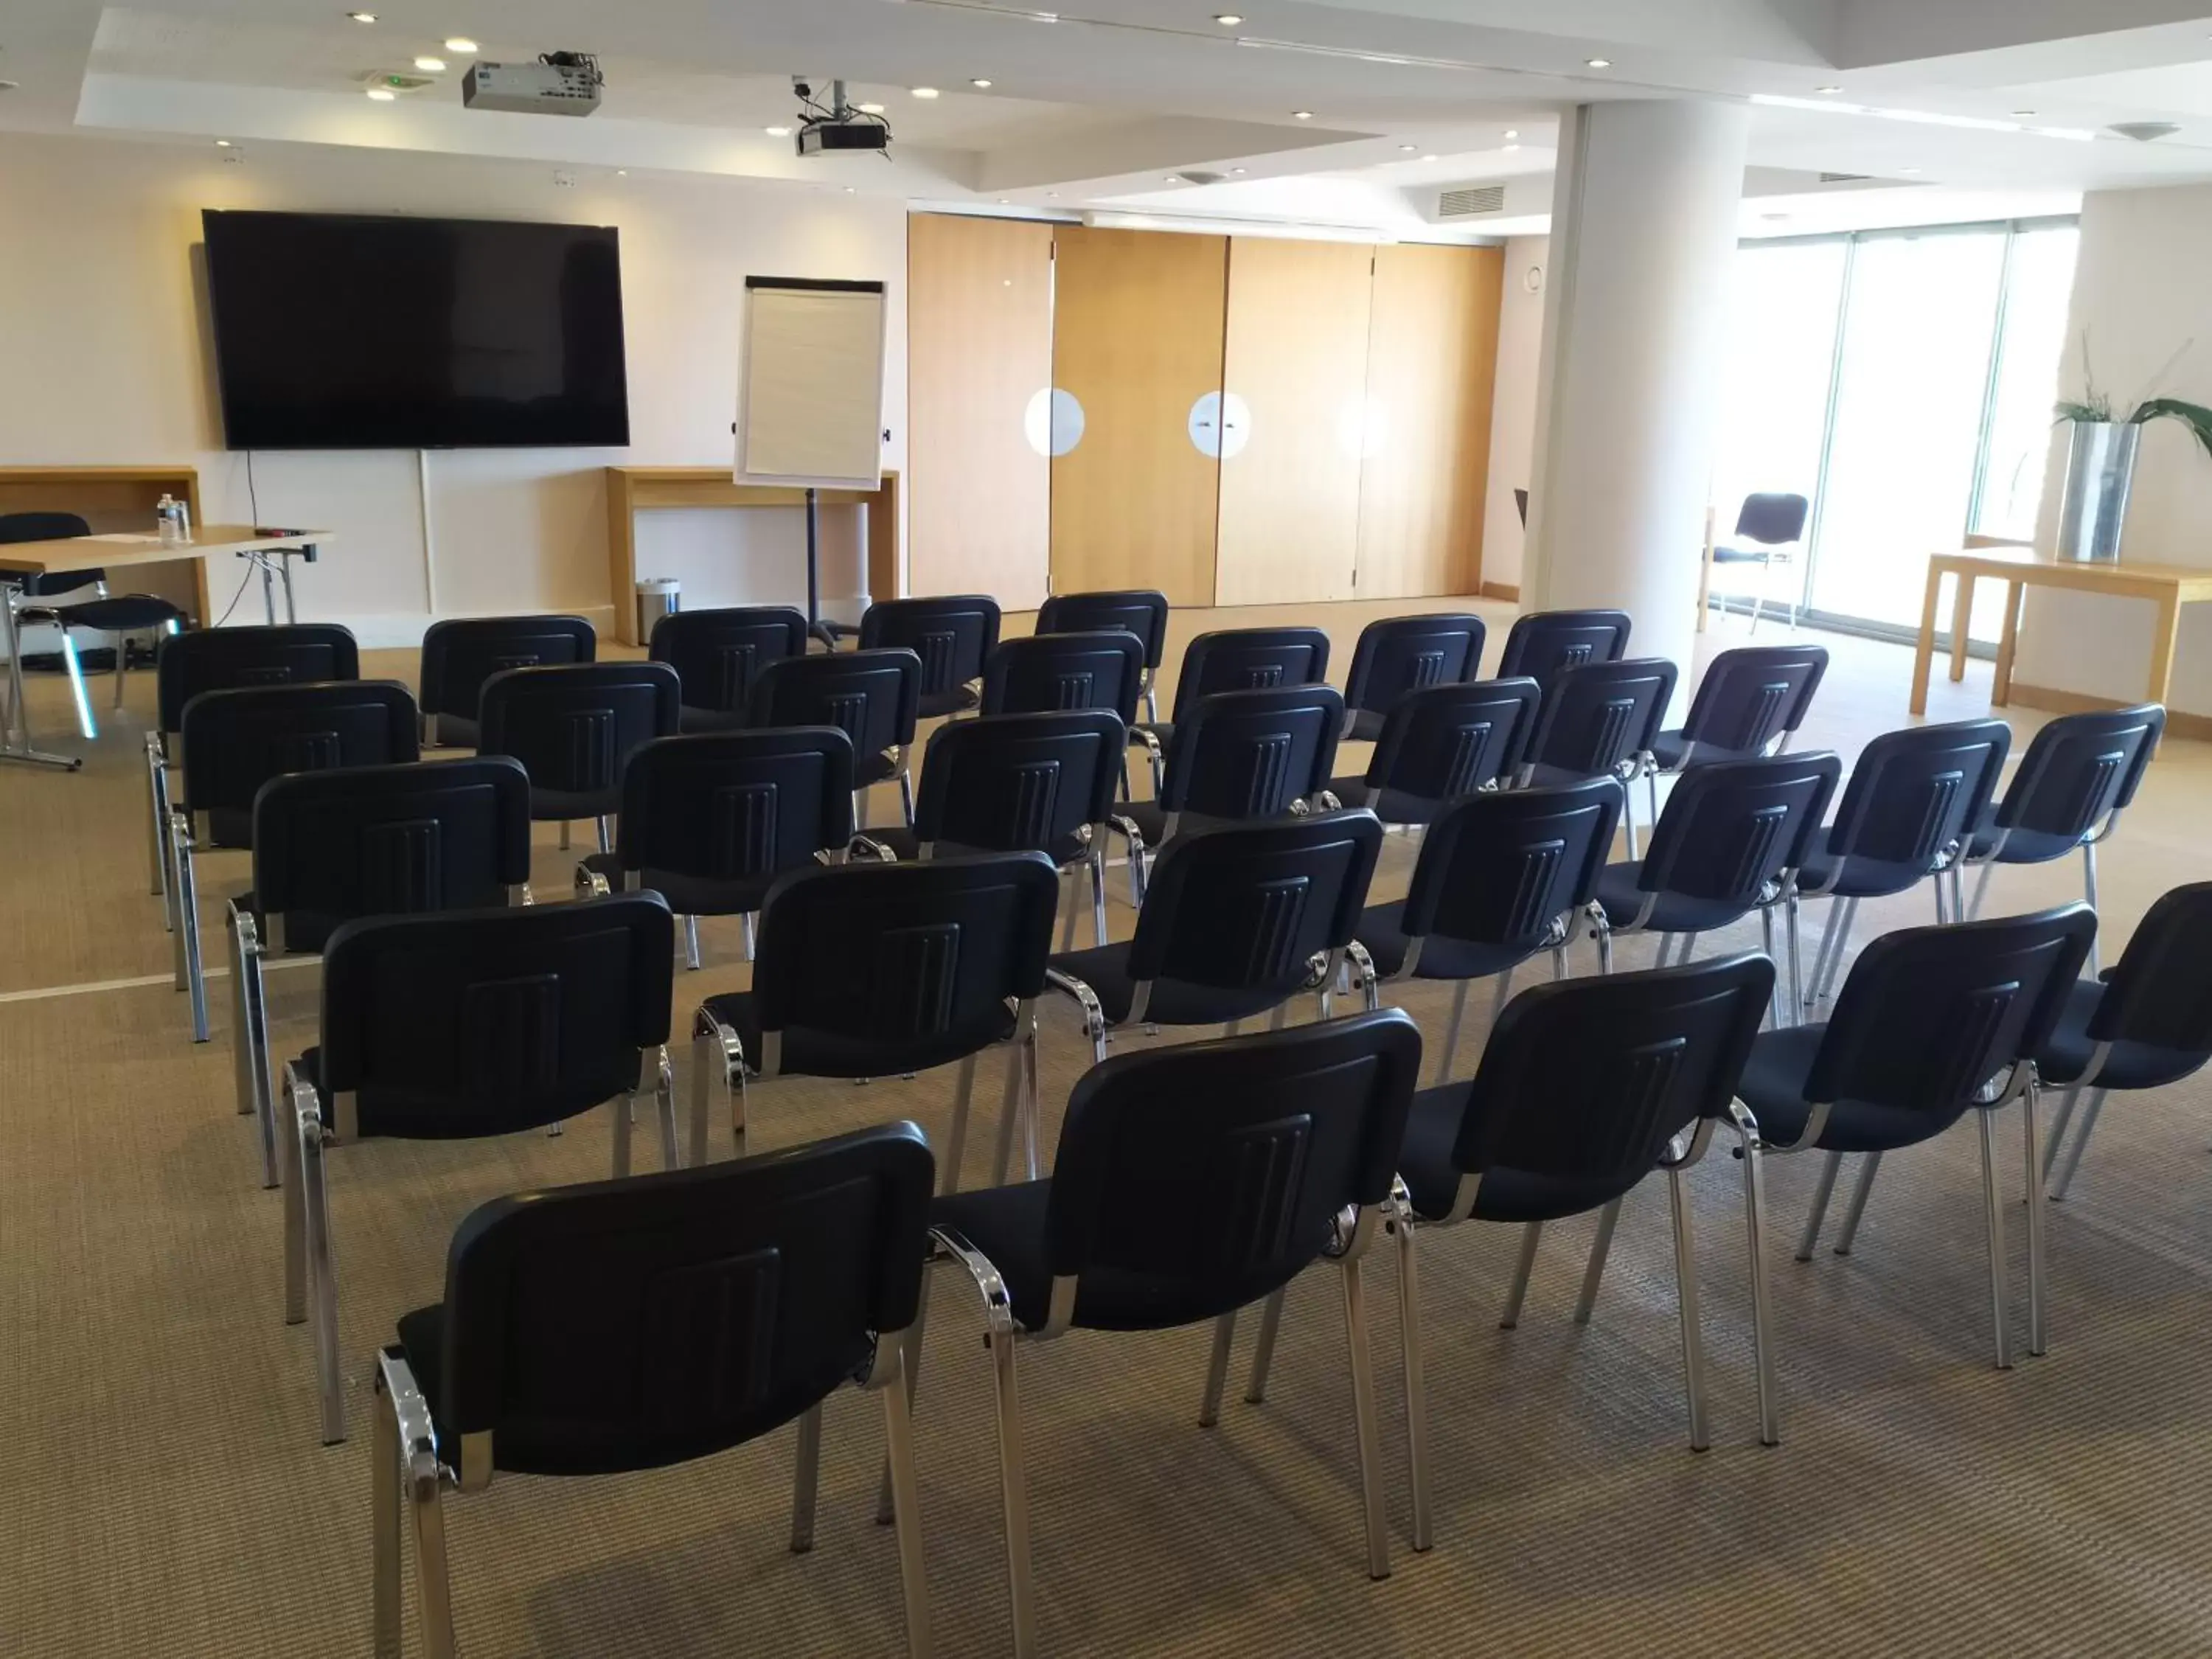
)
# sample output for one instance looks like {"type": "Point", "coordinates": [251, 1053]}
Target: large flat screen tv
{"type": "Point", "coordinates": [350, 332]}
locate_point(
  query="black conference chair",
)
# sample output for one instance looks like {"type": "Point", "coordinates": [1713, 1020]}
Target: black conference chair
{"type": "Point", "coordinates": [1731, 840]}
{"type": "Point", "coordinates": [1235, 659]}
{"type": "Point", "coordinates": [1015, 783]}
{"type": "Point", "coordinates": [1751, 703]}
{"type": "Point", "coordinates": [874, 697]}
{"type": "Point", "coordinates": [953, 636]}
{"type": "Point", "coordinates": [1545, 643]}
{"type": "Point", "coordinates": [1399, 654]}
{"type": "Point", "coordinates": [1766, 523]}
{"type": "Point", "coordinates": [1140, 611]}
{"type": "Point", "coordinates": [459, 657]}
{"type": "Point", "coordinates": [2080, 773]}
{"type": "Point", "coordinates": [224, 659]}
{"type": "Point", "coordinates": [710, 822]}
{"type": "Point", "coordinates": [234, 742]}
{"type": "Point", "coordinates": [1586, 1088]}
{"type": "Point", "coordinates": [1240, 920]}
{"type": "Point", "coordinates": [462, 1026]}
{"type": "Point", "coordinates": [870, 970]}
{"type": "Point", "coordinates": [574, 727]}
{"type": "Point", "coordinates": [1441, 744]}
{"type": "Point", "coordinates": [1500, 877]}
{"type": "Point", "coordinates": [557, 1304]}
{"type": "Point", "coordinates": [2146, 1024]}
{"type": "Point", "coordinates": [1932, 1024]}
{"type": "Point", "coordinates": [716, 654]}
{"type": "Point", "coordinates": [1600, 720]}
{"type": "Point", "coordinates": [1913, 797]}
{"type": "Point", "coordinates": [364, 840]}
{"type": "Point", "coordinates": [1044, 673]}
{"type": "Point", "coordinates": [121, 615]}
{"type": "Point", "coordinates": [1190, 1183]}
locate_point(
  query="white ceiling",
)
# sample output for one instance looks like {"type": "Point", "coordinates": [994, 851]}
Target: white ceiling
{"type": "Point", "coordinates": [1098, 108]}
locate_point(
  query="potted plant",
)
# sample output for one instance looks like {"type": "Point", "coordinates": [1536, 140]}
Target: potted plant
{"type": "Point", "coordinates": [2101, 460]}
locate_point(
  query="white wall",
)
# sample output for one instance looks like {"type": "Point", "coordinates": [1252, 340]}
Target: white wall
{"type": "Point", "coordinates": [1513, 407]}
{"type": "Point", "coordinates": [103, 344]}
{"type": "Point", "coordinates": [2140, 296]}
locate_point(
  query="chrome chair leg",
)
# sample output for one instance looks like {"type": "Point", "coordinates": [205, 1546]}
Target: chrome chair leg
{"type": "Point", "coordinates": [906, 1503]}
{"type": "Point", "coordinates": [2060, 1120]}
{"type": "Point", "coordinates": [661, 1076]}
{"type": "Point", "coordinates": [1942, 919]}
{"type": "Point", "coordinates": [296, 1214]}
{"type": "Point", "coordinates": [1067, 902]}
{"type": "Point", "coordinates": [157, 806]}
{"type": "Point", "coordinates": [1762, 1316]}
{"type": "Point", "coordinates": [1014, 1494]}
{"type": "Point", "coordinates": [384, 1506]}
{"type": "Point", "coordinates": [122, 653]}
{"type": "Point", "coordinates": [691, 943]}
{"type": "Point", "coordinates": [1451, 1032]}
{"type": "Point", "coordinates": [751, 921]}
{"type": "Point", "coordinates": [1628, 821]}
{"type": "Point", "coordinates": [1532, 1234]}
{"type": "Point", "coordinates": [1216, 1369]}
{"type": "Point", "coordinates": [1868, 1168]}
{"type": "Point", "coordinates": [564, 834]}
{"type": "Point", "coordinates": [322, 1274]}
{"type": "Point", "coordinates": [1417, 1384]}
{"type": "Point", "coordinates": [906, 796]}
{"type": "Point", "coordinates": [956, 1138]}
{"type": "Point", "coordinates": [1766, 938]}
{"type": "Point", "coordinates": [1685, 1284]}
{"type": "Point", "coordinates": [1098, 863]}
{"type": "Point", "coordinates": [1981, 888]}
{"type": "Point", "coordinates": [604, 826]}
{"type": "Point", "coordinates": [1831, 1166]}
{"type": "Point", "coordinates": [85, 723]}
{"type": "Point", "coordinates": [1010, 1106]}
{"type": "Point", "coordinates": [2081, 1143]}
{"type": "Point", "coordinates": [1993, 1223]}
{"type": "Point", "coordinates": [1594, 1274]}
{"type": "Point", "coordinates": [805, 1478]}
{"type": "Point", "coordinates": [1797, 961]}
{"type": "Point", "coordinates": [1370, 1432]}
{"type": "Point", "coordinates": [2089, 892]}
{"type": "Point", "coordinates": [431, 1577]}
{"type": "Point", "coordinates": [1263, 1351]}
{"type": "Point", "coordinates": [193, 977]}
{"type": "Point", "coordinates": [2037, 1275]}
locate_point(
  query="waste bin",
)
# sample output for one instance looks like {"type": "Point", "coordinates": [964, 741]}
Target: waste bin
{"type": "Point", "coordinates": [656, 597]}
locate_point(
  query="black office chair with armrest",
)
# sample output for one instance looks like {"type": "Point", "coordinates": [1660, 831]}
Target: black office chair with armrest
{"type": "Point", "coordinates": [460, 656]}
{"type": "Point", "coordinates": [364, 840]}
{"type": "Point", "coordinates": [1438, 745]}
{"type": "Point", "coordinates": [574, 727]}
{"type": "Point", "coordinates": [462, 1026]}
{"type": "Point", "coordinates": [953, 636]}
{"type": "Point", "coordinates": [1750, 702]}
{"type": "Point", "coordinates": [117, 614]}
{"type": "Point", "coordinates": [1235, 659]}
{"type": "Point", "coordinates": [1586, 1088]}
{"type": "Point", "coordinates": [874, 697]}
{"type": "Point", "coordinates": [1396, 655]}
{"type": "Point", "coordinates": [717, 654]}
{"type": "Point", "coordinates": [232, 743]}
{"type": "Point", "coordinates": [1766, 522]}
{"type": "Point", "coordinates": [1190, 1183]}
{"type": "Point", "coordinates": [1140, 610]}
{"type": "Point", "coordinates": [1544, 643]}
{"type": "Point", "coordinates": [1599, 720]}
{"type": "Point", "coordinates": [557, 1303]}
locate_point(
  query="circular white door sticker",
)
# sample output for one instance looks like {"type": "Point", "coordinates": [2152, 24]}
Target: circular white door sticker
{"type": "Point", "coordinates": [1220, 425]}
{"type": "Point", "coordinates": [1053, 422]}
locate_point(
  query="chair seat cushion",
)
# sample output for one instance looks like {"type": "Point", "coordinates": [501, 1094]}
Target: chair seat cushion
{"type": "Point", "coordinates": [121, 614]}
{"type": "Point", "coordinates": [1773, 1086]}
{"type": "Point", "coordinates": [689, 895]}
{"type": "Point", "coordinates": [1381, 930]}
{"type": "Point", "coordinates": [691, 721]}
{"type": "Point", "coordinates": [1673, 750]}
{"type": "Point", "coordinates": [1542, 776]}
{"type": "Point", "coordinates": [906, 846]}
{"type": "Point", "coordinates": [1673, 912]}
{"type": "Point", "coordinates": [1364, 726]}
{"type": "Point", "coordinates": [401, 1114]}
{"type": "Point", "coordinates": [874, 768]}
{"type": "Point", "coordinates": [1432, 1173]}
{"type": "Point", "coordinates": [2021, 846]}
{"type": "Point", "coordinates": [1007, 1224]}
{"type": "Point", "coordinates": [547, 805]}
{"type": "Point", "coordinates": [1855, 876]}
{"type": "Point", "coordinates": [828, 1054]}
{"type": "Point", "coordinates": [2065, 1058]}
{"type": "Point", "coordinates": [935, 705]}
{"type": "Point", "coordinates": [454, 731]}
{"type": "Point", "coordinates": [1105, 969]}
{"type": "Point", "coordinates": [1391, 805]}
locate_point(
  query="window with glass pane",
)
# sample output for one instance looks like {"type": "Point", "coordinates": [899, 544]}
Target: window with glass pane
{"type": "Point", "coordinates": [2038, 286]}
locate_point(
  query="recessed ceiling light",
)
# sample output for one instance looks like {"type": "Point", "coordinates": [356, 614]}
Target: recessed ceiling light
{"type": "Point", "coordinates": [1599, 63]}
{"type": "Point", "coordinates": [1052, 193]}
{"type": "Point", "coordinates": [1428, 158]}
{"type": "Point", "coordinates": [2022, 115]}
{"type": "Point", "coordinates": [1172, 179]}
{"type": "Point", "coordinates": [460, 43]}
{"type": "Point", "coordinates": [980, 83]}
{"type": "Point", "coordinates": [622, 172]}
{"type": "Point", "coordinates": [431, 65]}
{"type": "Point", "coordinates": [1512, 132]}
{"type": "Point", "coordinates": [382, 95]}
{"type": "Point", "coordinates": [848, 190]}
{"type": "Point", "coordinates": [1409, 146]}
{"type": "Point", "coordinates": [777, 132]}
{"type": "Point", "coordinates": [362, 16]}
{"type": "Point", "coordinates": [223, 143]}
{"type": "Point", "coordinates": [1005, 201]}
{"type": "Point", "coordinates": [1827, 92]}
{"type": "Point", "coordinates": [1228, 20]}
{"type": "Point", "coordinates": [1301, 115]}
{"type": "Point", "coordinates": [1236, 169]}
{"type": "Point", "coordinates": [869, 109]}
{"type": "Point", "coordinates": [925, 91]}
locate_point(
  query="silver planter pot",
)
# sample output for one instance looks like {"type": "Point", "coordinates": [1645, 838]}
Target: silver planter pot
{"type": "Point", "coordinates": [2101, 469]}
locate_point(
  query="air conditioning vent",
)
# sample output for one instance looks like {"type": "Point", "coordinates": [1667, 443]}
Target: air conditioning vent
{"type": "Point", "coordinates": [1845, 177]}
{"type": "Point", "coordinates": [1474, 199]}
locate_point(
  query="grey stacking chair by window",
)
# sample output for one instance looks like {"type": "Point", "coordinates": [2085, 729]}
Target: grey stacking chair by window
{"type": "Point", "coordinates": [1933, 1023]}
{"type": "Point", "coordinates": [1440, 743]}
{"type": "Point", "coordinates": [1750, 702]}
{"type": "Point", "coordinates": [1140, 610]}
{"type": "Point", "coordinates": [626, 1326]}
{"type": "Point", "coordinates": [462, 1026]}
{"type": "Point", "coordinates": [460, 656]}
{"type": "Point", "coordinates": [1399, 654]}
{"type": "Point", "coordinates": [718, 654]}
{"type": "Point", "coordinates": [1587, 1087]}
{"type": "Point", "coordinates": [1190, 1183]}
{"type": "Point", "coordinates": [1544, 644]}
{"type": "Point", "coordinates": [953, 636]}
{"type": "Point", "coordinates": [574, 727]}
{"type": "Point", "coordinates": [1764, 524]}
{"type": "Point", "coordinates": [121, 615]}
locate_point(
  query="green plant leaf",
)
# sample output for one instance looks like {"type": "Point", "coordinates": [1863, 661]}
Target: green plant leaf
{"type": "Point", "coordinates": [2196, 417]}
{"type": "Point", "coordinates": [2092, 411]}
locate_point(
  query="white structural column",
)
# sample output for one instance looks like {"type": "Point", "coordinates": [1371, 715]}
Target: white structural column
{"type": "Point", "coordinates": [1643, 236]}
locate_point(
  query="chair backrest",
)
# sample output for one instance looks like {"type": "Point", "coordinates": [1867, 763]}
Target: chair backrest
{"type": "Point", "coordinates": [874, 697]}
{"type": "Point", "coordinates": [953, 636]}
{"type": "Point", "coordinates": [1753, 695]}
{"type": "Point", "coordinates": [235, 741]}
{"type": "Point", "coordinates": [1597, 716]}
{"type": "Point", "coordinates": [482, 1022]}
{"type": "Point", "coordinates": [48, 527]}
{"type": "Point", "coordinates": [1214, 1171]}
{"type": "Point", "coordinates": [1250, 754]}
{"type": "Point", "coordinates": [1915, 792]}
{"type": "Point", "coordinates": [573, 726]}
{"type": "Point", "coordinates": [460, 656]}
{"type": "Point", "coordinates": [1451, 740]}
{"type": "Point", "coordinates": [225, 659]}
{"type": "Point", "coordinates": [1247, 905]}
{"type": "Point", "coordinates": [632, 1324]}
{"type": "Point", "coordinates": [1045, 673]}
{"type": "Point", "coordinates": [1141, 611]}
{"type": "Point", "coordinates": [1930, 1015]}
{"type": "Point", "coordinates": [716, 654]}
{"type": "Point", "coordinates": [2081, 767]}
{"type": "Point", "coordinates": [1399, 654]}
{"type": "Point", "coordinates": [2160, 993]}
{"type": "Point", "coordinates": [905, 956]}
{"type": "Point", "coordinates": [1007, 783]}
{"type": "Point", "coordinates": [1500, 868]}
{"type": "Point", "coordinates": [383, 840]}
{"type": "Point", "coordinates": [1249, 660]}
{"type": "Point", "coordinates": [1544, 643]}
{"type": "Point", "coordinates": [736, 806]}
{"type": "Point", "coordinates": [1773, 519]}
{"type": "Point", "coordinates": [1588, 1079]}
{"type": "Point", "coordinates": [1731, 829]}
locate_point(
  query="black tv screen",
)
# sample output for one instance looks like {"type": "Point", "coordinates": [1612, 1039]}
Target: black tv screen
{"type": "Point", "coordinates": [350, 332]}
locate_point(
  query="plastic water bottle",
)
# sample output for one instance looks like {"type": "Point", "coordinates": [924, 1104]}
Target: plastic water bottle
{"type": "Point", "coordinates": [167, 525]}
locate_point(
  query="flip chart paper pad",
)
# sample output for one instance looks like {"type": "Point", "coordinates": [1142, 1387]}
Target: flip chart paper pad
{"type": "Point", "coordinates": [810, 396]}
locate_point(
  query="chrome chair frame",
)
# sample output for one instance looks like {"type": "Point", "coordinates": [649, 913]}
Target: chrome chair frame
{"type": "Point", "coordinates": [1562, 932]}
{"type": "Point", "coordinates": [1780, 894]}
{"type": "Point", "coordinates": [41, 609]}
{"type": "Point", "coordinates": [1329, 973]}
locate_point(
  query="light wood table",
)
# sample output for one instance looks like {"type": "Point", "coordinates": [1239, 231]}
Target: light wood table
{"type": "Point", "coordinates": [2169, 586]}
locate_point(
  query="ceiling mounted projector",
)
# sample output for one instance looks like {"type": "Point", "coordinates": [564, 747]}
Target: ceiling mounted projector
{"type": "Point", "coordinates": [558, 83]}
{"type": "Point", "coordinates": [839, 127]}
{"type": "Point", "coordinates": [2144, 132]}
